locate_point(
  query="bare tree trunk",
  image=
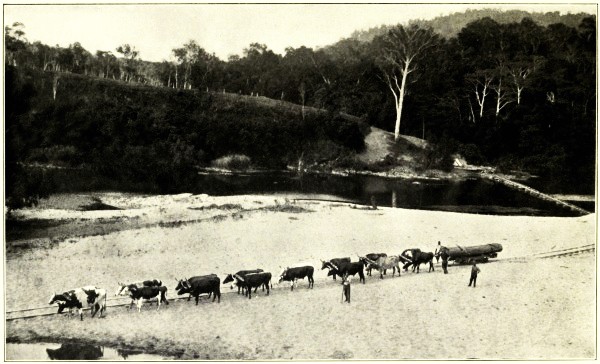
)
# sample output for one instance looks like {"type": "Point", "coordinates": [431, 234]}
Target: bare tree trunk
{"type": "Point", "coordinates": [405, 73]}
{"type": "Point", "coordinates": [501, 98]}
{"type": "Point", "coordinates": [484, 93]}
{"type": "Point", "coordinates": [471, 109]}
{"type": "Point", "coordinates": [54, 87]}
{"type": "Point", "coordinates": [301, 163]}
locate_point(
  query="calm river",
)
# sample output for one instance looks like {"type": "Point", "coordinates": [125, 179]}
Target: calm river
{"type": "Point", "coordinates": [472, 195]}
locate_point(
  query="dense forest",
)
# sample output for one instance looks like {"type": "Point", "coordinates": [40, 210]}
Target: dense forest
{"type": "Point", "coordinates": [449, 26]}
{"type": "Point", "coordinates": [514, 92]}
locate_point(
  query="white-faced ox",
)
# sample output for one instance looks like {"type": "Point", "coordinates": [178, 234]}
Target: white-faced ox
{"type": "Point", "coordinates": [145, 293]}
{"type": "Point", "coordinates": [334, 261]}
{"type": "Point", "coordinates": [230, 278]}
{"type": "Point", "coordinates": [80, 298]}
{"type": "Point", "coordinates": [146, 283]}
{"type": "Point", "coordinates": [293, 274]}
{"type": "Point", "coordinates": [382, 264]}
{"type": "Point", "coordinates": [374, 256]}
{"type": "Point", "coordinates": [254, 280]}
{"type": "Point", "coordinates": [198, 285]}
{"type": "Point", "coordinates": [349, 268]}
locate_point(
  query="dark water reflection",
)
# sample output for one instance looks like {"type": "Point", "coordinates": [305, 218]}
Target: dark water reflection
{"type": "Point", "coordinates": [474, 195]}
{"type": "Point", "coordinates": [74, 351]}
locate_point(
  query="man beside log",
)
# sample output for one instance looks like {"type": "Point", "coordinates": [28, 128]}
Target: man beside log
{"type": "Point", "coordinates": [474, 272]}
{"type": "Point", "coordinates": [444, 254]}
{"type": "Point", "coordinates": [438, 251]}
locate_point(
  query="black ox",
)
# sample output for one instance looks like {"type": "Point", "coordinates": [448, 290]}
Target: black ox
{"type": "Point", "coordinates": [230, 278]}
{"type": "Point", "coordinates": [254, 280]}
{"type": "Point", "coordinates": [336, 262]}
{"type": "Point", "coordinates": [293, 274]}
{"type": "Point", "coordinates": [343, 268]}
{"type": "Point", "coordinates": [198, 285]}
{"type": "Point", "coordinates": [416, 258]}
{"type": "Point", "coordinates": [192, 280]}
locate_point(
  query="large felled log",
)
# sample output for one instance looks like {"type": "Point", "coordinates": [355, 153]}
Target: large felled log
{"type": "Point", "coordinates": [458, 251]}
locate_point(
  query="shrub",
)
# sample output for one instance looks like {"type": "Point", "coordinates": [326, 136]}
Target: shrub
{"type": "Point", "coordinates": [471, 153]}
{"type": "Point", "coordinates": [56, 154]}
{"type": "Point", "coordinates": [233, 161]}
{"type": "Point", "coordinates": [24, 187]}
{"type": "Point", "coordinates": [349, 161]}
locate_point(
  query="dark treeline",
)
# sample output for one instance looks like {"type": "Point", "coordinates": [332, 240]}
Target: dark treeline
{"type": "Point", "coordinates": [518, 95]}
{"type": "Point", "coordinates": [153, 138]}
{"type": "Point", "coordinates": [450, 25]}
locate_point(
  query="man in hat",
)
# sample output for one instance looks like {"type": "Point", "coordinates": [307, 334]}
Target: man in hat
{"type": "Point", "coordinates": [346, 280]}
{"type": "Point", "coordinates": [444, 254]}
{"type": "Point", "coordinates": [474, 272]}
{"type": "Point", "coordinates": [437, 252]}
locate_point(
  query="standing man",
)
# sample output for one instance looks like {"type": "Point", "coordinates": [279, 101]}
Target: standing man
{"type": "Point", "coordinates": [437, 252]}
{"type": "Point", "coordinates": [444, 254]}
{"type": "Point", "coordinates": [474, 271]}
{"type": "Point", "coordinates": [346, 280]}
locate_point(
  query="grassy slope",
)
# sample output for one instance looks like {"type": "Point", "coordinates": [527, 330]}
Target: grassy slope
{"type": "Point", "coordinates": [380, 143]}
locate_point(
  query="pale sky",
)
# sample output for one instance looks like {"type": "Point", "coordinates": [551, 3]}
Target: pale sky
{"type": "Point", "coordinates": [225, 29]}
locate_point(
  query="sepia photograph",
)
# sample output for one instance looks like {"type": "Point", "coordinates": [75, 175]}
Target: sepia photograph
{"type": "Point", "coordinates": [255, 181]}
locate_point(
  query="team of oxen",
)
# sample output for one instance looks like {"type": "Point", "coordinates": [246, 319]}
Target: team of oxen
{"type": "Point", "coordinates": [245, 280]}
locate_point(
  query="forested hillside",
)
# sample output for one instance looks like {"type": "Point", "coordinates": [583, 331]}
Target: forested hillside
{"type": "Point", "coordinates": [449, 26]}
{"type": "Point", "coordinates": [136, 133]}
{"type": "Point", "coordinates": [516, 94]}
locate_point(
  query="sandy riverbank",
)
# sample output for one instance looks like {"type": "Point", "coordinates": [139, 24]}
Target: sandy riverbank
{"type": "Point", "coordinates": [521, 309]}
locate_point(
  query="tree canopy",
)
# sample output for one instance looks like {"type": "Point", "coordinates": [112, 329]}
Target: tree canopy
{"type": "Point", "coordinates": [514, 92]}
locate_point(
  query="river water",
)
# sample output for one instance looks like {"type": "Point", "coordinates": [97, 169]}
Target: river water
{"type": "Point", "coordinates": [471, 195]}
{"type": "Point", "coordinates": [73, 351]}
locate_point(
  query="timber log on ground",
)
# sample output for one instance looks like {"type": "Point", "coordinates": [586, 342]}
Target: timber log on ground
{"type": "Point", "coordinates": [477, 253]}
